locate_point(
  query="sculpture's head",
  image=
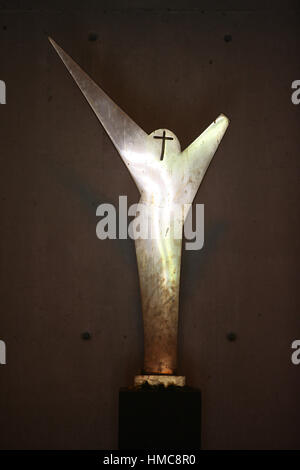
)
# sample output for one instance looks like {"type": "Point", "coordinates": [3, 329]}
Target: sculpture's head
{"type": "Point", "coordinates": [166, 143]}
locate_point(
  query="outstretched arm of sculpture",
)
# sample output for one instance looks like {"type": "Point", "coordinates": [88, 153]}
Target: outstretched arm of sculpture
{"type": "Point", "coordinates": [132, 143]}
{"type": "Point", "coordinates": [196, 158]}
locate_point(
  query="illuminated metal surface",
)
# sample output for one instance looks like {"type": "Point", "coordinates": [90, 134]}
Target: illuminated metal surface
{"type": "Point", "coordinates": [167, 179]}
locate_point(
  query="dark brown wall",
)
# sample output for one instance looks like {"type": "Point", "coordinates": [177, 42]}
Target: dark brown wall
{"type": "Point", "coordinates": [167, 65]}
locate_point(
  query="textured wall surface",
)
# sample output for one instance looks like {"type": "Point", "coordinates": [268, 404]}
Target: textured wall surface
{"type": "Point", "coordinates": [167, 64]}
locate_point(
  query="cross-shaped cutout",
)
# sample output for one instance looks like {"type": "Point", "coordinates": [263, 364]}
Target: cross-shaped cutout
{"type": "Point", "coordinates": [164, 138]}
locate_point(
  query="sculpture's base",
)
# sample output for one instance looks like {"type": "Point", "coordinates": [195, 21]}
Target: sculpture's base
{"type": "Point", "coordinates": [166, 380]}
{"type": "Point", "coordinates": [159, 417]}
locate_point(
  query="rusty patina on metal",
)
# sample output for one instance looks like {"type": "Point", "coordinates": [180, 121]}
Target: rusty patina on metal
{"type": "Point", "coordinates": [168, 180]}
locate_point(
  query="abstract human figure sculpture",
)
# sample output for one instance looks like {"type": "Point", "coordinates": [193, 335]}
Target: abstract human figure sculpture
{"type": "Point", "coordinates": [168, 181]}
